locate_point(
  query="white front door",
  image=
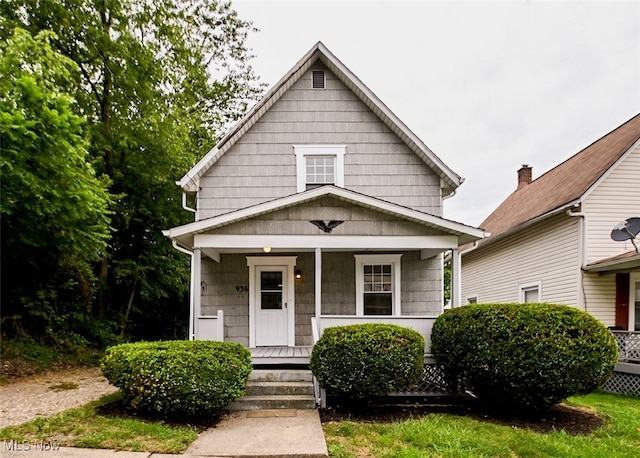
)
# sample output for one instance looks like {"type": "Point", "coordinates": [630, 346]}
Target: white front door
{"type": "Point", "coordinates": [271, 305]}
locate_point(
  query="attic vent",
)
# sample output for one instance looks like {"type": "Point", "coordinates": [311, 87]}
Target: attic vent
{"type": "Point", "coordinates": [318, 79]}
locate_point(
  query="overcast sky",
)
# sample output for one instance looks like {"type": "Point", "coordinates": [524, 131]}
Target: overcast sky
{"type": "Point", "coordinates": [487, 86]}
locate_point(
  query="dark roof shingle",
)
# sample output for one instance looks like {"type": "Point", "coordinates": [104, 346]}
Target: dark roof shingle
{"type": "Point", "coordinates": [564, 183]}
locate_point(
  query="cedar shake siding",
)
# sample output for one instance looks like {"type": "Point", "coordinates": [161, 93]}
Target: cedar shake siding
{"type": "Point", "coordinates": [224, 288]}
{"type": "Point", "coordinates": [261, 165]}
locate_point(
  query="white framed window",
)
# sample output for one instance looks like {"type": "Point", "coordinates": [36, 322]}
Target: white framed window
{"type": "Point", "coordinates": [319, 165]}
{"type": "Point", "coordinates": [530, 292]}
{"type": "Point", "coordinates": [472, 299]}
{"type": "Point", "coordinates": [378, 284]}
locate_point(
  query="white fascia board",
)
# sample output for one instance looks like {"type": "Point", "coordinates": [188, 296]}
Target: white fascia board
{"type": "Point", "coordinates": [248, 120]}
{"type": "Point", "coordinates": [432, 159]}
{"type": "Point", "coordinates": [295, 199]}
{"type": "Point", "coordinates": [354, 242]}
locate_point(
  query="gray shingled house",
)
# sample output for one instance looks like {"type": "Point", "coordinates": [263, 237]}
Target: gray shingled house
{"type": "Point", "coordinates": [320, 207]}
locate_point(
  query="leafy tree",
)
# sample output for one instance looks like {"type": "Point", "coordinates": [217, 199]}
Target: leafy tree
{"type": "Point", "coordinates": [160, 81]}
{"type": "Point", "coordinates": [55, 219]}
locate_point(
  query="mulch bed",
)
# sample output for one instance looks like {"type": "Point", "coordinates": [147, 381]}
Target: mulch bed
{"type": "Point", "coordinates": [572, 420]}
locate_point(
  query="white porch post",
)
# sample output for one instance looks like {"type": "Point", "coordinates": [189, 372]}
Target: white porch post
{"type": "Point", "coordinates": [456, 278]}
{"type": "Point", "coordinates": [318, 282]}
{"type": "Point", "coordinates": [196, 271]}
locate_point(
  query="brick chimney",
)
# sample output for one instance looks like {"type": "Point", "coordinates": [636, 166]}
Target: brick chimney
{"type": "Point", "coordinates": [524, 176]}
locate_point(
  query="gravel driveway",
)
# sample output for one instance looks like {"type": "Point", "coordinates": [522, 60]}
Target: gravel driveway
{"type": "Point", "coordinates": [47, 394]}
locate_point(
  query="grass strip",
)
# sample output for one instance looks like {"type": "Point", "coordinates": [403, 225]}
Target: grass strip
{"type": "Point", "coordinates": [446, 435]}
{"type": "Point", "coordinates": [85, 427]}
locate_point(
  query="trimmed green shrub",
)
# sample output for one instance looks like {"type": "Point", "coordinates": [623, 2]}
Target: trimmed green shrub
{"type": "Point", "coordinates": [365, 360]}
{"type": "Point", "coordinates": [187, 378]}
{"type": "Point", "coordinates": [523, 355]}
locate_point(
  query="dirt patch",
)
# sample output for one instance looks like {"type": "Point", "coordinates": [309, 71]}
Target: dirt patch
{"type": "Point", "coordinates": [561, 417]}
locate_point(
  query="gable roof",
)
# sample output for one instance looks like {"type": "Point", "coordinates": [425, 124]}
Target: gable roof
{"type": "Point", "coordinates": [566, 184]}
{"type": "Point", "coordinates": [319, 52]}
{"type": "Point", "coordinates": [184, 234]}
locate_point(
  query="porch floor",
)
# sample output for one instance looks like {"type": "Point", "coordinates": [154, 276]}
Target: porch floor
{"type": "Point", "coordinates": [280, 355]}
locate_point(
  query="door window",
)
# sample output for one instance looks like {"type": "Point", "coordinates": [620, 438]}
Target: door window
{"type": "Point", "coordinates": [271, 290]}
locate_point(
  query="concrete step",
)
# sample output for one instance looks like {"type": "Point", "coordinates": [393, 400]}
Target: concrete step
{"type": "Point", "coordinates": [278, 388]}
{"type": "Point", "coordinates": [281, 375]}
{"type": "Point", "coordinates": [248, 402]}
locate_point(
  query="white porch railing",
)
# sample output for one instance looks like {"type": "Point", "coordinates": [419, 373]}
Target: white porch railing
{"type": "Point", "coordinates": [210, 327]}
{"type": "Point", "coordinates": [628, 345]}
{"type": "Point", "coordinates": [421, 324]}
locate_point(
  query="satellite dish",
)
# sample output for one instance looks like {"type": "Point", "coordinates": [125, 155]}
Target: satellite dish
{"type": "Point", "coordinates": [627, 230]}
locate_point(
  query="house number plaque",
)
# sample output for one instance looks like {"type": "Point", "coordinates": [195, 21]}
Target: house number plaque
{"type": "Point", "coordinates": [242, 288]}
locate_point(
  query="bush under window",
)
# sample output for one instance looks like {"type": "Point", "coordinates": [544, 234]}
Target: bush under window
{"type": "Point", "coordinates": [366, 360]}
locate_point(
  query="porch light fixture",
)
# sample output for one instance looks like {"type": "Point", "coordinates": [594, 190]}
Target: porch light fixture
{"type": "Point", "coordinates": [298, 274]}
{"type": "Point", "coordinates": [266, 249]}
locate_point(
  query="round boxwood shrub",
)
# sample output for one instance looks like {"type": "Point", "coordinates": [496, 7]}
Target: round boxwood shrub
{"type": "Point", "coordinates": [527, 355]}
{"type": "Point", "coordinates": [366, 360]}
{"type": "Point", "coordinates": [186, 378]}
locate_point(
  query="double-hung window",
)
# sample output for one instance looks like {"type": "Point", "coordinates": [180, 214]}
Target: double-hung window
{"type": "Point", "coordinates": [378, 284]}
{"type": "Point", "coordinates": [319, 165]}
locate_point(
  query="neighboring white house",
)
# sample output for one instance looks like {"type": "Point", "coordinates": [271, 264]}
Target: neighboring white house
{"type": "Point", "coordinates": [320, 203]}
{"type": "Point", "coordinates": [550, 239]}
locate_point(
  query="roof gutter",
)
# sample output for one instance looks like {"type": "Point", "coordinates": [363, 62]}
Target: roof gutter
{"type": "Point", "coordinates": [526, 224]}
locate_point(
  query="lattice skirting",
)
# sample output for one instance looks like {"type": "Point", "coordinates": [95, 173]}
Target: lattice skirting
{"type": "Point", "coordinates": [432, 384]}
{"type": "Point", "coordinates": [623, 383]}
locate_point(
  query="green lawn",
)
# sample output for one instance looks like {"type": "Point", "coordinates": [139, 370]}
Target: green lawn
{"type": "Point", "coordinates": [444, 435]}
{"type": "Point", "coordinates": [435, 435]}
{"type": "Point", "coordinates": [85, 427]}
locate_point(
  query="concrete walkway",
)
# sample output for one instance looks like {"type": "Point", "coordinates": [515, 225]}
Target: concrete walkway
{"type": "Point", "coordinates": [255, 433]}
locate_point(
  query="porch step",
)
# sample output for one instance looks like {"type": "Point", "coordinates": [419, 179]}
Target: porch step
{"type": "Point", "coordinates": [281, 375]}
{"type": "Point", "coordinates": [277, 389]}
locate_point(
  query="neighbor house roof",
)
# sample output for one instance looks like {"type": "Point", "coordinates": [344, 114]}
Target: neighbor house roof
{"type": "Point", "coordinates": [185, 234]}
{"type": "Point", "coordinates": [450, 180]}
{"type": "Point", "coordinates": [565, 185]}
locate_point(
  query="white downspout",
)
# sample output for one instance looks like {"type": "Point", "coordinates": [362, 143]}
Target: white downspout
{"type": "Point", "coordinates": [583, 253]}
{"type": "Point", "coordinates": [191, 288]}
{"type": "Point", "coordinates": [184, 204]}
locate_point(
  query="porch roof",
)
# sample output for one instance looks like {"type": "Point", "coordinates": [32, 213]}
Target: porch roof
{"type": "Point", "coordinates": [620, 263]}
{"type": "Point", "coordinates": [193, 234]}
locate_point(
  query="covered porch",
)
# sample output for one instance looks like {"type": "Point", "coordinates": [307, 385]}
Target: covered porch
{"type": "Point", "coordinates": [279, 273]}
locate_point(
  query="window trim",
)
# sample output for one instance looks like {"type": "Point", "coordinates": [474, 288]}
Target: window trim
{"type": "Point", "coordinates": [368, 259]}
{"type": "Point", "coordinates": [302, 151]}
{"type": "Point", "coordinates": [524, 287]}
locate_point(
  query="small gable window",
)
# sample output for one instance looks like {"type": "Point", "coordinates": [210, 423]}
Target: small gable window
{"type": "Point", "coordinates": [317, 79]}
{"type": "Point", "coordinates": [320, 170]}
{"type": "Point", "coordinates": [319, 165]}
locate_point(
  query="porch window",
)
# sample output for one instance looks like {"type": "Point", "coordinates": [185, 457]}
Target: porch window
{"type": "Point", "coordinates": [319, 165]}
{"type": "Point", "coordinates": [530, 292]}
{"type": "Point", "coordinates": [378, 284]}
